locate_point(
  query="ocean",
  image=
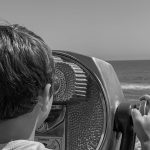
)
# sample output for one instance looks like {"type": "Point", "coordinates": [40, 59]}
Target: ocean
{"type": "Point", "coordinates": [134, 76]}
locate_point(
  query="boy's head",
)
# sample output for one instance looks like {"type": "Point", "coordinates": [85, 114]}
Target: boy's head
{"type": "Point", "coordinates": [26, 67]}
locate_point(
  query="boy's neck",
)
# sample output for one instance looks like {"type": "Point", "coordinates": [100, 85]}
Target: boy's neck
{"type": "Point", "coordinates": [22, 127]}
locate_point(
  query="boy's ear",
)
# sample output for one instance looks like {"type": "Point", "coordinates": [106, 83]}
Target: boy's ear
{"type": "Point", "coordinates": [44, 97]}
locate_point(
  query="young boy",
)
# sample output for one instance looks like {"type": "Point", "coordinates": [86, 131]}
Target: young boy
{"type": "Point", "coordinates": [26, 87]}
{"type": "Point", "coordinates": [26, 90]}
{"type": "Point", "coordinates": [142, 125]}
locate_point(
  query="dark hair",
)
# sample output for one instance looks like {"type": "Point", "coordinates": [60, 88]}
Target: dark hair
{"type": "Point", "coordinates": [26, 66]}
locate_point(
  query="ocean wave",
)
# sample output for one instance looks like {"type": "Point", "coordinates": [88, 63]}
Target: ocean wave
{"type": "Point", "coordinates": [135, 86]}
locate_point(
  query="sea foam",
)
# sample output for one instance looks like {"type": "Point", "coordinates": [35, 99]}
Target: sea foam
{"type": "Point", "coordinates": [135, 86]}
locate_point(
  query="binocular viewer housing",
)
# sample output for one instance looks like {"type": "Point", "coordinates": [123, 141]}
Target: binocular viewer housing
{"type": "Point", "coordinates": [89, 110]}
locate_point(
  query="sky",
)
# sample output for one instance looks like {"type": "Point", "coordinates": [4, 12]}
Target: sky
{"type": "Point", "coordinates": [106, 29]}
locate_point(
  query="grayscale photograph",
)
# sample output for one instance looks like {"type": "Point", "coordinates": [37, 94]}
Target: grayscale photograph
{"type": "Point", "coordinates": [75, 75]}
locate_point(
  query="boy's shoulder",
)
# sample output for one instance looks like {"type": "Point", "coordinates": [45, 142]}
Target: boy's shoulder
{"type": "Point", "coordinates": [23, 144]}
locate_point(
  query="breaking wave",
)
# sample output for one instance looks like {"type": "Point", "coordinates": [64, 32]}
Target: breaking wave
{"type": "Point", "coordinates": [135, 86]}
